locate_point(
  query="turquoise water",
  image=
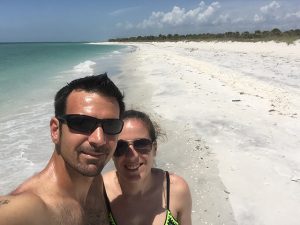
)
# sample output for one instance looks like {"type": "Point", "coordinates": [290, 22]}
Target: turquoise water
{"type": "Point", "coordinates": [24, 66]}
{"type": "Point", "coordinates": [30, 75]}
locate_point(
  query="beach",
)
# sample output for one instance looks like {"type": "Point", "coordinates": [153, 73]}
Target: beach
{"type": "Point", "coordinates": [231, 113]}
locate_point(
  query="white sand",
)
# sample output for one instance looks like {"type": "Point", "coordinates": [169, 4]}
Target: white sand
{"type": "Point", "coordinates": [231, 112]}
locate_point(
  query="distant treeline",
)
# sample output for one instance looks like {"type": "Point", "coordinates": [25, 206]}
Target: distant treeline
{"type": "Point", "coordinates": [274, 35]}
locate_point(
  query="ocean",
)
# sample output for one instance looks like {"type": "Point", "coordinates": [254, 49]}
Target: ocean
{"type": "Point", "coordinates": [30, 75]}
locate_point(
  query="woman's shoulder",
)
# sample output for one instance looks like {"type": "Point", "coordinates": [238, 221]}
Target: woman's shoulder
{"type": "Point", "coordinates": [180, 195]}
{"type": "Point", "coordinates": [180, 199]}
{"type": "Point", "coordinates": [178, 184]}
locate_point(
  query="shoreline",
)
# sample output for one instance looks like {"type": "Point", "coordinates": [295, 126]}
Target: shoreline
{"type": "Point", "coordinates": [231, 114]}
{"type": "Point", "coordinates": [26, 144]}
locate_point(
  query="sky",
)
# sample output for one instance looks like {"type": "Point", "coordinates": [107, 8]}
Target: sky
{"type": "Point", "coordinates": [96, 20]}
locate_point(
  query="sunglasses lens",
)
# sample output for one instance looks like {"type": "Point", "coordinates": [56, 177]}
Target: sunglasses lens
{"type": "Point", "coordinates": [121, 148]}
{"type": "Point", "coordinates": [142, 145]}
{"type": "Point", "coordinates": [112, 126]}
{"type": "Point", "coordinates": [81, 123]}
{"type": "Point", "coordinates": [87, 124]}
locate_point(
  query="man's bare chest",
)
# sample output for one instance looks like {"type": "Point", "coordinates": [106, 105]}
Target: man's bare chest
{"type": "Point", "coordinates": [72, 213]}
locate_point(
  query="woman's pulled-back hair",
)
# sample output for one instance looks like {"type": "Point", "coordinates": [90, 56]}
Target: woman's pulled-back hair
{"type": "Point", "coordinates": [153, 128]}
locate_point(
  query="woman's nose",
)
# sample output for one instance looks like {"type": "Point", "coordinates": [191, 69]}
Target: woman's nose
{"type": "Point", "coordinates": [131, 152]}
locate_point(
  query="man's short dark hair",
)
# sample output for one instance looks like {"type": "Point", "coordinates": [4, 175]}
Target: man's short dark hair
{"type": "Point", "coordinates": [100, 84]}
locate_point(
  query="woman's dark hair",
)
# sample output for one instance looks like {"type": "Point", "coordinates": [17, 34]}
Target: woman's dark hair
{"type": "Point", "coordinates": [100, 84]}
{"type": "Point", "coordinates": [153, 128]}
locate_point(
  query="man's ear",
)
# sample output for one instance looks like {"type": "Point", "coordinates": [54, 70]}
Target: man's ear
{"type": "Point", "coordinates": [54, 130]}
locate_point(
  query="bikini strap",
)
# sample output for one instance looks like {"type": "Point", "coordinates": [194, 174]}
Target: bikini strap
{"type": "Point", "coordinates": [168, 188]}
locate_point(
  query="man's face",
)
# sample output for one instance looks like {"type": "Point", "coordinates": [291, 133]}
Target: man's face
{"type": "Point", "coordinates": [88, 153]}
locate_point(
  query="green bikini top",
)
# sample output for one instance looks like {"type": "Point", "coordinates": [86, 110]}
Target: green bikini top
{"type": "Point", "coordinates": [170, 220]}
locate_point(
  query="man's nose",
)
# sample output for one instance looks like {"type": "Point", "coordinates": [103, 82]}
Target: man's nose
{"type": "Point", "coordinates": [97, 138]}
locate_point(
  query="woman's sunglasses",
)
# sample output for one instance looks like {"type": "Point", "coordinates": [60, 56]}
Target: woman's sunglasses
{"type": "Point", "coordinates": [142, 146]}
{"type": "Point", "coordinates": [87, 124]}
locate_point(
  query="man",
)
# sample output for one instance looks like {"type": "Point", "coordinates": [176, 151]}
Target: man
{"type": "Point", "coordinates": [69, 191]}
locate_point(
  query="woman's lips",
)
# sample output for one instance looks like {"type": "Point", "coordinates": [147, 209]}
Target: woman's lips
{"type": "Point", "coordinates": [133, 166]}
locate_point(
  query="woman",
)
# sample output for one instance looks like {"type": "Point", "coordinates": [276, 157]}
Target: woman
{"type": "Point", "coordinates": [137, 193]}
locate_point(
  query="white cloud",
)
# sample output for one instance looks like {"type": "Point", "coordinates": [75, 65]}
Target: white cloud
{"type": "Point", "coordinates": [222, 19]}
{"type": "Point", "coordinates": [291, 15]}
{"type": "Point", "coordinates": [209, 12]}
{"type": "Point", "coordinates": [175, 17]}
{"type": "Point", "coordinates": [179, 16]}
{"type": "Point", "coordinates": [271, 8]}
{"type": "Point", "coordinates": [258, 18]}
{"type": "Point", "coordinates": [214, 18]}
{"type": "Point", "coordinates": [237, 20]}
{"type": "Point", "coordinates": [268, 13]}
{"type": "Point", "coordinates": [122, 11]}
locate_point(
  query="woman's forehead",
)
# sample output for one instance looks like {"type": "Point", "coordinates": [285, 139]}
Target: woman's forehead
{"type": "Point", "coordinates": [134, 127]}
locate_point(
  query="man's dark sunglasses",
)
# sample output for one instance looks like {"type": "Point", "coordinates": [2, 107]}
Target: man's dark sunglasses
{"type": "Point", "coordinates": [87, 124]}
{"type": "Point", "coordinates": [142, 146]}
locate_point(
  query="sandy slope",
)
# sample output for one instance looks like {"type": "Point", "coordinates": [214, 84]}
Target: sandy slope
{"type": "Point", "coordinates": [231, 112]}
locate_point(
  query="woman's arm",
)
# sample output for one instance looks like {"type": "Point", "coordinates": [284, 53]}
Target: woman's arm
{"type": "Point", "coordinates": [181, 199]}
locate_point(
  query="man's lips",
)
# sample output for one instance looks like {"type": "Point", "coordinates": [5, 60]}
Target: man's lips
{"type": "Point", "coordinates": [94, 154]}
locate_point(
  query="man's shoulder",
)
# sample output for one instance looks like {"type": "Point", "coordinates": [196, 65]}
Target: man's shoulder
{"type": "Point", "coordinates": [16, 199]}
{"type": "Point", "coordinates": [23, 208]}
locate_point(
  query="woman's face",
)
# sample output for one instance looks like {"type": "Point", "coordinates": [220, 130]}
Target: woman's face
{"type": "Point", "coordinates": [133, 165]}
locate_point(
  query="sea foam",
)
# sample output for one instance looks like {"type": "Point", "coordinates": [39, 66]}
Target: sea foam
{"type": "Point", "coordinates": [85, 67]}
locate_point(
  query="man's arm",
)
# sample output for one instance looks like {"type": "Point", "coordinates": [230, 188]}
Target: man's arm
{"type": "Point", "coordinates": [23, 209]}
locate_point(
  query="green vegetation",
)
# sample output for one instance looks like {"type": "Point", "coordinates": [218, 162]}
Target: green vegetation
{"type": "Point", "coordinates": [274, 35]}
